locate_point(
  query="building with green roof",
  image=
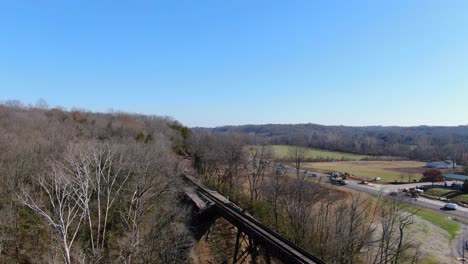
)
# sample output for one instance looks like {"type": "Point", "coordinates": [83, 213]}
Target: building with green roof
{"type": "Point", "coordinates": [455, 177]}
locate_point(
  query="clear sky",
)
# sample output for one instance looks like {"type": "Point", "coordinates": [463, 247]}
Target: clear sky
{"type": "Point", "coordinates": [219, 62]}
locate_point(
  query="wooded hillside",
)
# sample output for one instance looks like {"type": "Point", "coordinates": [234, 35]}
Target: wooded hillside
{"type": "Point", "coordinates": [82, 187]}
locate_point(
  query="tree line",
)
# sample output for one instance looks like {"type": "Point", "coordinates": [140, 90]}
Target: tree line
{"type": "Point", "coordinates": [424, 143]}
{"type": "Point", "coordinates": [83, 187]}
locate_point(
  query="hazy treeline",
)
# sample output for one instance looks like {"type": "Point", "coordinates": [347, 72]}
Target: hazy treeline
{"type": "Point", "coordinates": [331, 224]}
{"type": "Point", "coordinates": [420, 143]}
{"type": "Point", "coordinates": [82, 187]}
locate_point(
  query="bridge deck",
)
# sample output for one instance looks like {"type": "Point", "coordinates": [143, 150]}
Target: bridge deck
{"type": "Point", "coordinates": [199, 203]}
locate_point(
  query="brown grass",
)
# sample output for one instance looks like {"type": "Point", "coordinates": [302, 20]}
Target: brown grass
{"type": "Point", "coordinates": [387, 170]}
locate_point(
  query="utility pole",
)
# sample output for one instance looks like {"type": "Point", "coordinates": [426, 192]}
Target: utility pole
{"type": "Point", "coordinates": [463, 248]}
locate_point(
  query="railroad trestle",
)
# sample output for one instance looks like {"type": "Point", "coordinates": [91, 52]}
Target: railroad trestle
{"type": "Point", "coordinates": [253, 239]}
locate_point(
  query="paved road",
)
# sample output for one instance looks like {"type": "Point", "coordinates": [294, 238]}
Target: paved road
{"type": "Point", "coordinates": [384, 190]}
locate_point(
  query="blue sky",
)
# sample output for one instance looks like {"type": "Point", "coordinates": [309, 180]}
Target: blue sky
{"type": "Point", "coordinates": [219, 62]}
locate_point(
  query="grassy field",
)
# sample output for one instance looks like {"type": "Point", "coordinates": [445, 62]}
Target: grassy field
{"type": "Point", "coordinates": [389, 171]}
{"type": "Point", "coordinates": [452, 195]}
{"type": "Point", "coordinates": [439, 219]}
{"type": "Point", "coordinates": [281, 152]}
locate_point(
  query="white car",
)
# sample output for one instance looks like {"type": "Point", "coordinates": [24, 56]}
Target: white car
{"type": "Point", "coordinates": [451, 206]}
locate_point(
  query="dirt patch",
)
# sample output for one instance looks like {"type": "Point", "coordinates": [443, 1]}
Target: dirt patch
{"type": "Point", "coordinates": [201, 253]}
{"type": "Point", "coordinates": [404, 165]}
{"type": "Point", "coordinates": [420, 170]}
{"type": "Point", "coordinates": [217, 245]}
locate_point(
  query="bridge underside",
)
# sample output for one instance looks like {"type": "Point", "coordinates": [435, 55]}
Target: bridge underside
{"type": "Point", "coordinates": [248, 248]}
{"type": "Point", "coordinates": [254, 251]}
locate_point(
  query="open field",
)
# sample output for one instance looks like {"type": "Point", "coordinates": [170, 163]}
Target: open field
{"type": "Point", "coordinates": [389, 171]}
{"type": "Point", "coordinates": [281, 152]}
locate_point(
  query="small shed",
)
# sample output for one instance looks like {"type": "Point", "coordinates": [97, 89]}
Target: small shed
{"type": "Point", "coordinates": [446, 164]}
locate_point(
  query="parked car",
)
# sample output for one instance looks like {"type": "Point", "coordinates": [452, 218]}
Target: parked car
{"type": "Point", "coordinates": [451, 206]}
{"type": "Point", "coordinates": [363, 182]}
{"type": "Point", "coordinates": [443, 199]}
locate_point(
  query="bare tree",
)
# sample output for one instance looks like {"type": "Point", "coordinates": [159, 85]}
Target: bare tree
{"type": "Point", "coordinates": [298, 202]}
{"type": "Point", "coordinates": [352, 226]}
{"type": "Point", "coordinates": [62, 208]}
{"type": "Point", "coordinates": [410, 176]}
{"type": "Point", "coordinates": [167, 240]}
{"type": "Point", "coordinates": [297, 155]}
{"type": "Point", "coordinates": [42, 104]}
{"type": "Point", "coordinates": [219, 158]}
{"type": "Point", "coordinates": [259, 160]}
{"type": "Point", "coordinates": [392, 245]}
{"type": "Point", "coordinates": [205, 150]}
{"type": "Point", "coordinates": [100, 172]}
{"type": "Point", "coordinates": [154, 173]}
{"type": "Point", "coordinates": [14, 104]}
{"type": "Point", "coordinates": [275, 188]}
{"type": "Point", "coordinates": [232, 157]}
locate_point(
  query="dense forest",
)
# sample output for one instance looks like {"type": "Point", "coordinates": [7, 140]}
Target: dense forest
{"type": "Point", "coordinates": [83, 187]}
{"type": "Point", "coordinates": [420, 143]}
